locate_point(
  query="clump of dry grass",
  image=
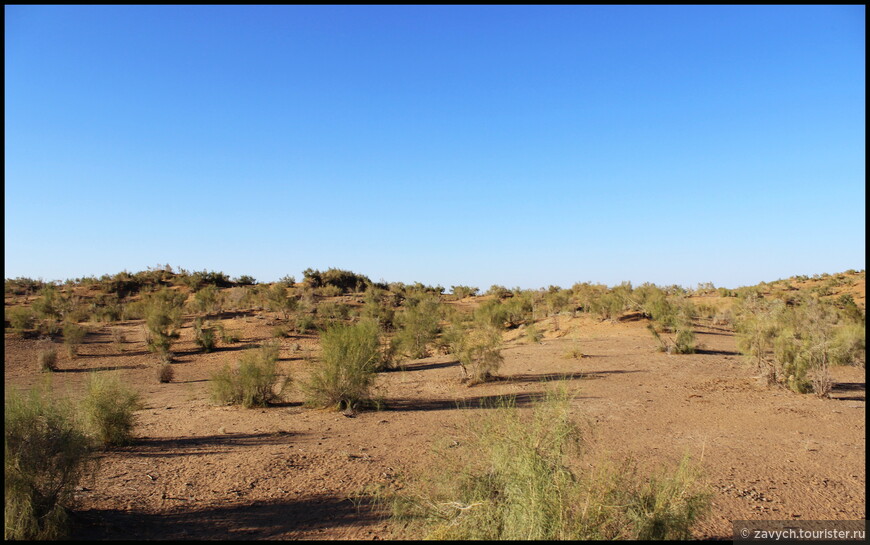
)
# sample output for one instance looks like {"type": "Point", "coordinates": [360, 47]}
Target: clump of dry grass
{"type": "Point", "coordinates": [519, 477]}
{"type": "Point", "coordinates": [46, 359]}
{"type": "Point", "coordinates": [165, 372]}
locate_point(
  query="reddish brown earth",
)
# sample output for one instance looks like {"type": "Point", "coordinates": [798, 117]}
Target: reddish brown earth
{"type": "Point", "coordinates": [200, 471]}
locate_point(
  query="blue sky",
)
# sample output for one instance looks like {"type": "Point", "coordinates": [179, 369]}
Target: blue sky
{"type": "Point", "coordinates": [521, 146]}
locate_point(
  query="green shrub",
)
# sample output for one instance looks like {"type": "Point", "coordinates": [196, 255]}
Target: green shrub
{"type": "Point", "coordinates": [204, 335]}
{"type": "Point", "coordinates": [134, 310]}
{"type": "Point", "coordinates": [162, 321]}
{"type": "Point", "coordinates": [796, 344]}
{"type": "Point", "coordinates": [20, 319]}
{"type": "Point", "coordinates": [207, 299]}
{"type": "Point", "coordinates": [349, 361]}
{"type": "Point", "coordinates": [245, 280]}
{"type": "Point", "coordinates": [848, 345]}
{"type": "Point", "coordinates": [376, 307]}
{"type": "Point", "coordinates": [329, 291]}
{"type": "Point", "coordinates": [461, 292]}
{"type": "Point", "coordinates": [278, 300]}
{"type": "Point", "coordinates": [46, 454]}
{"type": "Point", "coordinates": [305, 322]}
{"type": "Point", "coordinates": [479, 352]}
{"type": "Point", "coordinates": [499, 292]}
{"type": "Point", "coordinates": [252, 382]}
{"type": "Point", "coordinates": [683, 341]}
{"type": "Point", "coordinates": [108, 409]}
{"type": "Point", "coordinates": [106, 308]}
{"type": "Point", "coordinates": [73, 335]}
{"type": "Point", "coordinates": [519, 478]}
{"type": "Point", "coordinates": [46, 306]}
{"type": "Point", "coordinates": [492, 312]}
{"type": "Point", "coordinates": [419, 324]}
{"type": "Point", "coordinates": [330, 312]}
{"type": "Point", "coordinates": [345, 281]}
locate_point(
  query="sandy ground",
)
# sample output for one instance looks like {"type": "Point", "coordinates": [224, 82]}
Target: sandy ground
{"type": "Point", "coordinates": [200, 471]}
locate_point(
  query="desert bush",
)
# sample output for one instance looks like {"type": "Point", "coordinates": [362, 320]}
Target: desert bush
{"type": "Point", "coordinates": [533, 334]}
{"type": "Point", "coordinates": [245, 280]}
{"type": "Point", "coordinates": [23, 285]}
{"type": "Point", "coordinates": [499, 292]}
{"type": "Point", "coordinates": [345, 281]}
{"type": "Point", "coordinates": [133, 310]}
{"type": "Point", "coordinates": [252, 382]}
{"type": "Point", "coordinates": [682, 341]}
{"type": "Point", "coordinates": [109, 409]}
{"type": "Point", "coordinates": [73, 335]}
{"type": "Point", "coordinates": [106, 309]}
{"type": "Point", "coordinates": [377, 307]}
{"type": "Point", "coordinates": [349, 361]}
{"type": "Point", "coordinates": [329, 290]}
{"type": "Point", "coordinates": [278, 300]}
{"type": "Point", "coordinates": [20, 319]}
{"type": "Point", "coordinates": [419, 325]}
{"type": "Point", "coordinates": [198, 279]}
{"type": "Point", "coordinates": [492, 312]}
{"type": "Point", "coordinates": [204, 335]}
{"type": "Point", "coordinates": [518, 309]}
{"type": "Point", "coordinates": [207, 299]}
{"type": "Point", "coordinates": [461, 292]}
{"type": "Point", "coordinates": [757, 325]}
{"type": "Point", "coordinates": [78, 313]}
{"type": "Point", "coordinates": [165, 372]}
{"type": "Point", "coordinates": [162, 321]}
{"type": "Point", "coordinates": [46, 359]}
{"type": "Point", "coordinates": [608, 306]}
{"type": "Point", "coordinates": [518, 477]}
{"type": "Point", "coordinates": [280, 332]}
{"type": "Point", "coordinates": [46, 454]}
{"type": "Point", "coordinates": [848, 345]}
{"type": "Point", "coordinates": [796, 344]}
{"type": "Point", "coordinates": [305, 322]}
{"type": "Point", "coordinates": [46, 306]}
{"type": "Point", "coordinates": [330, 312]}
{"type": "Point", "coordinates": [478, 350]}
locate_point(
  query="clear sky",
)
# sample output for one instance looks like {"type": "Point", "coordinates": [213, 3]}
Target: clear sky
{"type": "Point", "coordinates": [521, 146]}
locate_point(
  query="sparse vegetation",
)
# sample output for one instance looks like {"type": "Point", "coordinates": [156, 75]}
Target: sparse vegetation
{"type": "Point", "coordinates": [795, 344]}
